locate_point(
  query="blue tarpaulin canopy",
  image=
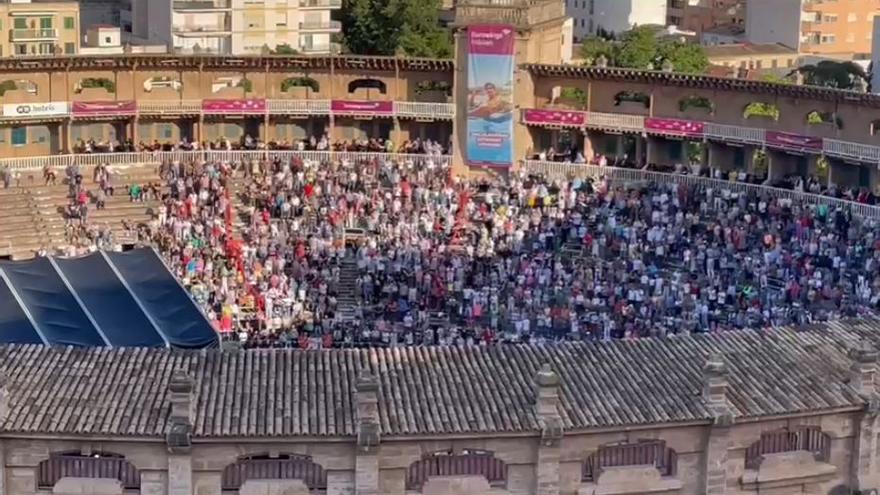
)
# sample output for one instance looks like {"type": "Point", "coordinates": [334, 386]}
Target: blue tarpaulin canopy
{"type": "Point", "coordinates": [103, 299]}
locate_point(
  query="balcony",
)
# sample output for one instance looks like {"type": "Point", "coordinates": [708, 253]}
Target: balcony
{"type": "Point", "coordinates": [202, 31]}
{"type": "Point", "coordinates": [323, 48]}
{"type": "Point", "coordinates": [202, 5]}
{"type": "Point", "coordinates": [520, 13]}
{"type": "Point", "coordinates": [321, 26]}
{"type": "Point", "coordinates": [170, 107]}
{"type": "Point", "coordinates": [320, 4]}
{"type": "Point", "coordinates": [33, 34]}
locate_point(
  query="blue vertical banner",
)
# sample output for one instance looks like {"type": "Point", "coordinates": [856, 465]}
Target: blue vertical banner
{"type": "Point", "coordinates": [490, 95]}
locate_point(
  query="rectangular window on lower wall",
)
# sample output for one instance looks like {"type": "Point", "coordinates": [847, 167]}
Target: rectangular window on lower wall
{"type": "Point", "coordinates": [19, 136]}
{"type": "Point", "coordinates": [167, 131]}
{"type": "Point", "coordinates": [145, 133]}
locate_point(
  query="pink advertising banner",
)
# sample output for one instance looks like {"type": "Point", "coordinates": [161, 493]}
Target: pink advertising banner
{"type": "Point", "coordinates": [674, 127]}
{"type": "Point", "coordinates": [248, 106]}
{"type": "Point", "coordinates": [790, 141]}
{"type": "Point", "coordinates": [96, 108]}
{"type": "Point", "coordinates": [362, 107]}
{"type": "Point", "coordinates": [571, 118]}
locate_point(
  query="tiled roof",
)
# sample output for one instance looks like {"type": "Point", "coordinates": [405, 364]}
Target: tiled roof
{"type": "Point", "coordinates": [428, 390]}
{"type": "Point", "coordinates": [677, 79]}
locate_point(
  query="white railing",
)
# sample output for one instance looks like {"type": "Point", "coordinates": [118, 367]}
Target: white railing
{"type": "Point", "coordinates": [624, 122]}
{"type": "Point", "coordinates": [298, 107]}
{"type": "Point", "coordinates": [853, 151]}
{"type": "Point", "coordinates": [123, 160]}
{"type": "Point", "coordinates": [420, 110]}
{"type": "Point", "coordinates": [559, 171]}
{"type": "Point", "coordinates": [169, 107]}
{"type": "Point", "coordinates": [750, 135]}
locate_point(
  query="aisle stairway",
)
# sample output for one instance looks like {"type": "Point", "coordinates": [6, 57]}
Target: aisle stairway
{"type": "Point", "coordinates": [346, 297]}
{"type": "Point", "coordinates": [23, 229]}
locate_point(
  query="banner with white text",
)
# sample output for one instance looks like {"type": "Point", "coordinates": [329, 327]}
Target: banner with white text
{"type": "Point", "coordinates": [490, 96]}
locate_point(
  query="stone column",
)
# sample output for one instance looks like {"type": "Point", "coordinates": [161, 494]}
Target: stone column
{"type": "Point", "coordinates": [178, 438]}
{"type": "Point", "coordinates": [715, 396]}
{"type": "Point", "coordinates": [862, 378]}
{"type": "Point", "coordinates": [546, 408]}
{"type": "Point", "coordinates": [368, 437]}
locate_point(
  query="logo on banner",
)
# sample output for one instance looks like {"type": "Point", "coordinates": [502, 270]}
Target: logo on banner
{"type": "Point", "coordinates": [35, 109]}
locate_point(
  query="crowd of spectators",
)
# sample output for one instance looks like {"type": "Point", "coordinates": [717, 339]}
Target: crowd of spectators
{"type": "Point", "coordinates": [379, 252]}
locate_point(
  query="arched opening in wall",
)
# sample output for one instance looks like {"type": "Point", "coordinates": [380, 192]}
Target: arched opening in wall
{"type": "Point", "coordinates": [436, 91]}
{"type": "Point", "coordinates": [803, 438]}
{"type": "Point", "coordinates": [73, 464]}
{"type": "Point", "coordinates": [283, 467]}
{"type": "Point", "coordinates": [95, 83]}
{"type": "Point", "coordinates": [469, 462]}
{"type": "Point", "coordinates": [306, 83]}
{"type": "Point", "coordinates": [162, 82]}
{"type": "Point", "coordinates": [569, 97]}
{"type": "Point", "coordinates": [367, 86]}
{"type": "Point", "coordinates": [824, 118]}
{"type": "Point", "coordinates": [632, 97]}
{"type": "Point", "coordinates": [25, 85]}
{"type": "Point", "coordinates": [761, 110]}
{"type": "Point", "coordinates": [700, 103]}
{"type": "Point", "coordinates": [653, 453]}
{"type": "Point", "coordinates": [231, 82]}
{"type": "Point", "coordinates": [875, 127]}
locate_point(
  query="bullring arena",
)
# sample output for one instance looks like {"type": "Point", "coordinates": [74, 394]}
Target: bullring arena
{"type": "Point", "coordinates": [673, 290]}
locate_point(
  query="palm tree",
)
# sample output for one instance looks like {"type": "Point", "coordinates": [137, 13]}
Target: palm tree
{"type": "Point", "coordinates": [831, 74]}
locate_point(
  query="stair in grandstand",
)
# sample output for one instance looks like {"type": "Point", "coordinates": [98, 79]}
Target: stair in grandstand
{"type": "Point", "coordinates": [346, 297]}
{"type": "Point", "coordinates": [22, 232]}
{"type": "Point", "coordinates": [241, 220]}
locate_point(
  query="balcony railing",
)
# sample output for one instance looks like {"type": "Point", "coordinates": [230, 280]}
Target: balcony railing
{"type": "Point", "coordinates": [322, 48]}
{"type": "Point", "coordinates": [204, 5]}
{"type": "Point", "coordinates": [616, 121]}
{"type": "Point", "coordinates": [334, 26]}
{"type": "Point", "coordinates": [171, 107]}
{"type": "Point", "coordinates": [748, 135]}
{"type": "Point", "coordinates": [299, 107]}
{"type": "Point", "coordinates": [33, 34]}
{"type": "Point", "coordinates": [320, 4]}
{"type": "Point", "coordinates": [521, 13]}
{"type": "Point", "coordinates": [419, 110]}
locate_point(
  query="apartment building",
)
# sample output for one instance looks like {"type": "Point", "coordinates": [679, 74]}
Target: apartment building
{"type": "Point", "coordinates": [701, 15]}
{"type": "Point", "coordinates": [815, 27]}
{"type": "Point", "coordinates": [238, 27]}
{"type": "Point", "coordinates": [613, 16]}
{"type": "Point", "coordinates": [33, 28]}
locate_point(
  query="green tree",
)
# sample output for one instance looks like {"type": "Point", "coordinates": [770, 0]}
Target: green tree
{"type": "Point", "coordinates": [284, 49]}
{"type": "Point", "coordinates": [593, 47]}
{"type": "Point", "coordinates": [638, 48]}
{"type": "Point", "coordinates": [831, 74]}
{"type": "Point", "coordinates": [387, 27]}
{"type": "Point", "coordinates": [689, 58]}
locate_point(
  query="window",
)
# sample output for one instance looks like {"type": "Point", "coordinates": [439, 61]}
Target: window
{"type": "Point", "coordinates": [829, 18]}
{"type": "Point", "coordinates": [45, 23]}
{"type": "Point", "coordinates": [774, 64]}
{"type": "Point", "coordinates": [828, 38]}
{"type": "Point", "coordinates": [852, 17]}
{"type": "Point", "coordinates": [20, 23]}
{"type": "Point", "coordinates": [19, 136]}
{"type": "Point", "coordinates": [69, 23]}
{"type": "Point", "coordinates": [21, 49]}
{"type": "Point", "coordinates": [167, 132]}
{"type": "Point", "coordinates": [69, 48]}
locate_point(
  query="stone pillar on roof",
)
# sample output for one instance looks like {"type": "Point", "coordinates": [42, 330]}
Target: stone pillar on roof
{"type": "Point", "coordinates": [178, 434]}
{"type": "Point", "coordinates": [862, 380]}
{"type": "Point", "coordinates": [715, 386]}
{"type": "Point", "coordinates": [547, 412]}
{"type": "Point", "coordinates": [368, 435]}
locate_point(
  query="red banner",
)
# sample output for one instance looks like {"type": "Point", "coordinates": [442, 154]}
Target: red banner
{"type": "Point", "coordinates": [249, 106]}
{"type": "Point", "coordinates": [98, 108]}
{"type": "Point", "coordinates": [564, 118]}
{"type": "Point", "coordinates": [796, 142]}
{"type": "Point", "coordinates": [674, 127]}
{"type": "Point", "coordinates": [355, 107]}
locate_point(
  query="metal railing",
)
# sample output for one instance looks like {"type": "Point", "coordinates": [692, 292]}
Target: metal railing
{"type": "Point", "coordinates": [33, 34]}
{"type": "Point", "coordinates": [749, 135]}
{"type": "Point", "coordinates": [561, 171]}
{"type": "Point", "coordinates": [169, 107]}
{"type": "Point", "coordinates": [418, 110]}
{"type": "Point", "coordinates": [298, 107]}
{"type": "Point", "coordinates": [320, 4]}
{"type": "Point", "coordinates": [853, 151]}
{"type": "Point", "coordinates": [619, 121]}
{"type": "Point", "coordinates": [155, 157]}
{"type": "Point", "coordinates": [320, 26]}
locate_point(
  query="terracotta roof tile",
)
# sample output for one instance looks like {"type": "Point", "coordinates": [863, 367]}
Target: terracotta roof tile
{"type": "Point", "coordinates": [428, 390]}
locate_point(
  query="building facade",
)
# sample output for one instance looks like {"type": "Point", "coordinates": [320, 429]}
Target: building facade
{"type": "Point", "coordinates": [814, 26]}
{"type": "Point", "coordinates": [613, 16]}
{"type": "Point", "coordinates": [37, 28]}
{"type": "Point", "coordinates": [700, 15]}
{"type": "Point", "coordinates": [237, 27]}
{"type": "Point", "coordinates": [738, 413]}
